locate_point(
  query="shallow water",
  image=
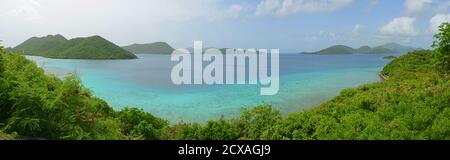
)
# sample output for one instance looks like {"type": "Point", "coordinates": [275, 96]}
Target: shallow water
{"type": "Point", "coordinates": [305, 81]}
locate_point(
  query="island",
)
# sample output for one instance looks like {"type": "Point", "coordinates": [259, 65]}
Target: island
{"type": "Point", "coordinates": [337, 49]}
{"type": "Point", "coordinates": [150, 48]}
{"type": "Point", "coordinates": [345, 50]}
{"type": "Point", "coordinates": [390, 57]}
{"type": "Point", "coordinates": [222, 50]}
{"type": "Point", "coordinates": [57, 46]}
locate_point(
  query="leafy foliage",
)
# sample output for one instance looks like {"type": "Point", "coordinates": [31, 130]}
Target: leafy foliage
{"type": "Point", "coordinates": [33, 104]}
{"type": "Point", "coordinates": [137, 123]}
{"type": "Point", "coordinates": [442, 44]}
{"type": "Point", "coordinates": [4, 136]}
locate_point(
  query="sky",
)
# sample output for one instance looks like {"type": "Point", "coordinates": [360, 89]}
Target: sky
{"type": "Point", "coordinates": [289, 25]}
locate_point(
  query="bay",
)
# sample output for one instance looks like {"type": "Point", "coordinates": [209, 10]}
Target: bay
{"type": "Point", "coordinates": [305, 81]}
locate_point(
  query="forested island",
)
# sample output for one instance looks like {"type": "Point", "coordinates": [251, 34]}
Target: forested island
{"type": "Point", "coordinates": [390, 57]}
{"type": "Point", "coordinates": [57, 46]}
{"type": "Point", "coordinates": [412, 103]}
{"type": "Point", "coordinates": [224, 50]}
{"type": "Point", "coordinates": [383, 49]}
{"type": "Point", "coordinates": [150, 48]}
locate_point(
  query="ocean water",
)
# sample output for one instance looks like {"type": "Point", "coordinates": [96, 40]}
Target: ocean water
{"type": "Point", "coordinates": [305, 81]}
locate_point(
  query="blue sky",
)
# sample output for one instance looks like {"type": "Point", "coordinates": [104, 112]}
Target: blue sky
{"type": "Point", "coordinates": [290, 25]}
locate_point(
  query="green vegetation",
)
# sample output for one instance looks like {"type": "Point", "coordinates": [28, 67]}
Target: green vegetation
{"type": "Point", "coordinates": [375, 50]}
{"type": "Point", "coordinates": [33, 104]}
{"type": "Point", "coordinates": [152, 48]}
{"type": "Point", "coordinates": [341, 50]}
{"type": "Point", "coordinates": [412, 103]}
{"type": "Point", "coordinates": [338, 49]}
{"type": "Point", "coordinates": [398, 48]}
{"type": "Point", "coordinates": [57, 46]}
{"type": "Point", "coordinates": [443, 45]}
{"type": "Point", "coordinates": [4, 136]}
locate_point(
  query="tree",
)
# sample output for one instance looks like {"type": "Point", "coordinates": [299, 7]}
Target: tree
{"type": "Point", "coordinates": [136, 122]}
{"type": "Point", "coordinates": [145, 130]}
{"type": "Point", "coordinates": [259, 119]}
{"type": "Point", "coordinates": [1, 60]}
{"type": "Point", "coordinates": [442, 45]}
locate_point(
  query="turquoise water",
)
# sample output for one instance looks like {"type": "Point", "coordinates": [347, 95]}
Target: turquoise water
{"type": "Point", "coordinates": [305, 81]}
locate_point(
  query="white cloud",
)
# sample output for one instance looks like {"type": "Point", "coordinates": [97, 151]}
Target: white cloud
{"type": "Point", "coordinates": [437, 20]}
{"type": "Point", "coordinates": [266, 7]}
{"type": "Point", "coordinates": [123, 22]}
{"type": "Point", "coordinates": [415, 7]}
{"type": "Point", "coordinates": [290, 7]}
{"type": "Point", "coordinates": [356, 32]}
{"type": "Point", "coordinates": [356, 29]}
{"type": "Point", "coordinates": [234, 11]}
{"type": "Point", "coordinates": [27, 9]}
{"type": "Point", "coordinates": [402, 26]}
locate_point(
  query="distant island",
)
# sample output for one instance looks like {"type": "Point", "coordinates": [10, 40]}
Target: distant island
{"type": "Point", "coordinates": [150, 48]}
{"type": "Point", "coordinates": [343, 50]}
{"type": "Point", "coordinates": [222, 50]}
{"type": "Point", "coordinates": [56, 46]}
{"type": "Point", "coordinates": [390, 57]}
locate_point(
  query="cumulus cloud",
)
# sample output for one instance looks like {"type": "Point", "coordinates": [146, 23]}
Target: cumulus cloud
{"type": "Point", "coordinates": [437, 20]}
{"type": "Point", "coordinates": [416, 7]}
{"type": "Point", "coordinates": [290, 7]}
{"type": "Point", "coordinates": [402, 26]}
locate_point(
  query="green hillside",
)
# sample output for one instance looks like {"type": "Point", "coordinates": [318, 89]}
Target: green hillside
{"type": "Point", "coordinates": [398, 48]}
{"type": "Point", "coordinates": [94, 47]}
{"type": "Point", "coordinates": [376, 50]}
{"type": "Point", "coordinates": [338, 49]}
{"type": "Point", "coordinates": [44, 45]}
{"type": "Point", "coordinates": [151, 48]}
{"type": "Point", "coordinates": [364, 49]}
{"type": "Point", "coordinates": [383, 49]}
